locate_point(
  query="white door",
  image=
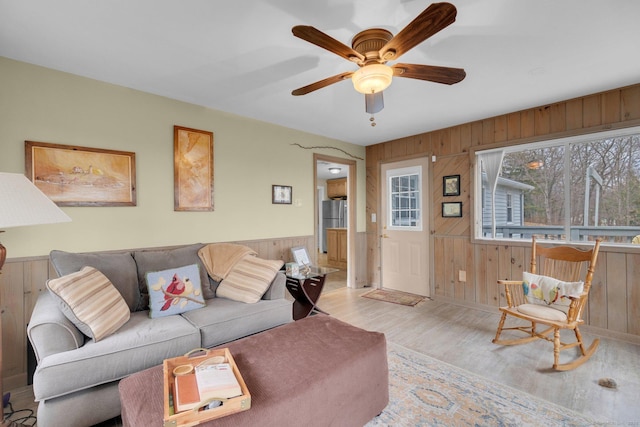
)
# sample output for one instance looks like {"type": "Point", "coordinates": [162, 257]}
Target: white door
{"type": "Point", "coordinates": [405, 226]}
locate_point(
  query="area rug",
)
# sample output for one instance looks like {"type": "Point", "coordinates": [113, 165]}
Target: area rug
{"type": "Point", "coordinates": [427, 392]}
{"type": "Point", "coordinates": [395, 297]}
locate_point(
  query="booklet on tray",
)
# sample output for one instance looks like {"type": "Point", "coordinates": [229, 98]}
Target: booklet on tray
{"type": "Point", "coordinates": [186, 392]}
{"type": "Point", "coordinates": [209, 382]}
{"type": "Point", "coordinates": [217, 381]}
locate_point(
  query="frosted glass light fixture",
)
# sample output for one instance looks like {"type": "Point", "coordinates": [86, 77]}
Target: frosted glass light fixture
{"type": "Point", "coordinates": [372, 78]}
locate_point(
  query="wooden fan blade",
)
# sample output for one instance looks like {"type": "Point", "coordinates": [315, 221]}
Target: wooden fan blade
{"type": "Point", "coordinates": [317, 37]}
{"type": "Point", "coordinates": [445, 75]}
{"type": "Point", "coordinates": [432, 20]}
{"type": "Point", "coordinates": [322, 83]}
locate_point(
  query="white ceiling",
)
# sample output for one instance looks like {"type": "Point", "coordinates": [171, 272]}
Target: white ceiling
{"type": "Point", "coordinates": [323, 172]}
{"type": "Point", "coordinates": [241, 56]}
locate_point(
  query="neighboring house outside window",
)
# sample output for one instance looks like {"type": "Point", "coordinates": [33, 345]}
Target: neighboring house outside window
{"type": "Point", "coordinates": [571, 189]}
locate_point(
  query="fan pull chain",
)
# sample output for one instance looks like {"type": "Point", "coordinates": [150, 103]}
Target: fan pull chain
{"type": "Point", "coordinates": [372, 120]}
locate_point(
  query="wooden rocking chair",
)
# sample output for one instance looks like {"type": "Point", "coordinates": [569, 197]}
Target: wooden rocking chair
{"type": "Point", "coordinates": [563, 263]}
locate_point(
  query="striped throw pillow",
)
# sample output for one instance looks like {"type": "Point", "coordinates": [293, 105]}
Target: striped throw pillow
{"type": "Point", "coordinates": [91, 302]}
{"type": "Point", "coordinates": [249, 279]}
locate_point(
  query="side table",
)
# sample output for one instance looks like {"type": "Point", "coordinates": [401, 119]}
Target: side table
{"type": "Point", "coordinates": [305, 289]}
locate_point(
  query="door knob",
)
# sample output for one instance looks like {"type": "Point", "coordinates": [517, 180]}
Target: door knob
{"type": "Point", "coordinates": [384, 236]}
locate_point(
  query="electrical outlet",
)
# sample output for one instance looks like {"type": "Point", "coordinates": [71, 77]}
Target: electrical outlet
{"type": "Point", "coordinates": [462, 276]}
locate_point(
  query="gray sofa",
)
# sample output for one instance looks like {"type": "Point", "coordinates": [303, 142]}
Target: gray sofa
{"type": "Point", "coordinates": [76, 379]}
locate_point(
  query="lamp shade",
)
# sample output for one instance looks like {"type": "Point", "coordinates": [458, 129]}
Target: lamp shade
{"type": "Point", "coordinates": [372, 78]}
{"type": "Point", "coordinates": [22, 203]}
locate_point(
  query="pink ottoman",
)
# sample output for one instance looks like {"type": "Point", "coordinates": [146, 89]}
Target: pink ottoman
{"type": "Point", "coordinates": [317, 371]}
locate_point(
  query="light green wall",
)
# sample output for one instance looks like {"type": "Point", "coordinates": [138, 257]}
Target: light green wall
{"type": "Point", "coordinates": [44, 105]}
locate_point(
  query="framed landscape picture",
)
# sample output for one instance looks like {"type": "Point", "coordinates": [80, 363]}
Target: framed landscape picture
{"type": "Point", "coordinates": [82, 176]}
{"type": "Point", "coordinates": [192, 169]}
{"type": "Point", "coordinates": [451, 209]}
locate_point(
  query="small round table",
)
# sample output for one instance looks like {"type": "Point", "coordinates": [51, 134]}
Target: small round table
{"type": "Point", "coordinates": [305, 287]}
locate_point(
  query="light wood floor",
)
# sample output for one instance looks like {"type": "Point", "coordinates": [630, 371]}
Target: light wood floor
{"type": "Point", "coordinates": [462, 337]}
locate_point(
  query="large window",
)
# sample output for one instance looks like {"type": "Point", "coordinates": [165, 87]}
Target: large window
{"type": "Point", "coordinates": [572, 189]}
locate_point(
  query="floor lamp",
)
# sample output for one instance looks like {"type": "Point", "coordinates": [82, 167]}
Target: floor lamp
{"type": "Point", "coordinates": [22, 204]}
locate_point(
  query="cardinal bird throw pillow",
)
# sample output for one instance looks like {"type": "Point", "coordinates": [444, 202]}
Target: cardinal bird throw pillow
{"type": "Point", "coordinates": [174, 291]}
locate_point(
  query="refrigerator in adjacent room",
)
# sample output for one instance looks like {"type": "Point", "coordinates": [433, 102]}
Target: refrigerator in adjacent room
{"type": "Point", "coordinates": [334, 215]}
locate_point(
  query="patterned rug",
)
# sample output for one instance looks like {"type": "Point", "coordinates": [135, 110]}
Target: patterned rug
{"type": "Point", "coordinates": [395, 297]}
{"type": "Point", "coordinates": [427, 392]}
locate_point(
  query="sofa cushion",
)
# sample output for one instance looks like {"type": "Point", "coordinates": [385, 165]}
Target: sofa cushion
{"type": "Point", "coordinates": [224, 320]}
{"type": "Point", "coordinates": [91, 302]}
{"type": "Point", "coordinates": [249, 279]}
{"type": "Point", "coordinates": [141, 343]}
{"type": "Point", "coordinates": [120, 269]}
{"type": "Point", "coordinates": [174, 291]}
{"type": "Point", "coordinates": [544, 290]}
{"type": "Point", "coordinates": [161, 259]}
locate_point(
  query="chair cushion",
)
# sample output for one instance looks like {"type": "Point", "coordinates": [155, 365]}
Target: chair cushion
{"type": "Point", "coordinates": [183, 282]}
{"type": "Point", "coordinates": [249, 279]}
{"type": "Point", "coordinates": [91, 302]}
{"type": "Point", "coordinates": [544, 290]}
{"type": "Point", "coordinates": [542, 312]}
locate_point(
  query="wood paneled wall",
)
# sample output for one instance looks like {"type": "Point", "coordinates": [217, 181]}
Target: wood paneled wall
{"type": "Point", "coordinates": [615, 297]}
{"type": "Point", "coordinates": [22, 280]}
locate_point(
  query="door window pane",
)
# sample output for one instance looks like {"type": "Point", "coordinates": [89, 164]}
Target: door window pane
{"type": "Point", "coordinates": [405, 201]}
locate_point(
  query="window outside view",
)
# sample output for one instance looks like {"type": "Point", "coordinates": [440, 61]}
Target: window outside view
{"type": "Point", "coordinates": [405, 201]}
{"type": "Point", "coordinates": [572, 190]}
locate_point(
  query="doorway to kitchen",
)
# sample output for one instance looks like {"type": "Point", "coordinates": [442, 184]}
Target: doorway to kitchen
{"type": "Point", "coordinates": [335, 218]}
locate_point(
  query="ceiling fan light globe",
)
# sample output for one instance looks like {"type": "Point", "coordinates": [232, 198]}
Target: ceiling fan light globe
{"type": "Point", "coordinates": [372, 78]}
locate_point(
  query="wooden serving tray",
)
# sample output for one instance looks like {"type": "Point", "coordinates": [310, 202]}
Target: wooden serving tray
{"type": "Point", "coordinates": [196, 416]}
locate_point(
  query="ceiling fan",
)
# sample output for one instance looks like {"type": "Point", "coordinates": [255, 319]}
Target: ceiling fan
{"type": "Point", "coordinates": [371, 50]}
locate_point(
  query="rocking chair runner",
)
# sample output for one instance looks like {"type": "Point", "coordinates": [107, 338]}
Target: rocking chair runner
{"type": "Point", "coordinates": [563, 263]}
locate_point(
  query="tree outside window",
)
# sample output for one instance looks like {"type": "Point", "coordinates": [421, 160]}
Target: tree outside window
{"type": "Point", "coordinates": [574, 189]}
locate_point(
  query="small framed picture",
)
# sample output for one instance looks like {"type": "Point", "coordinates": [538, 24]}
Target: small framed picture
{"type": "Point", "coordinates": [451, 209]}
{"type": "Point", "coordinates": [281, 194]}
{"type": "Point", "coordinates": [451, 185]}
{"type": "Point", "coordinates": [300, 256]}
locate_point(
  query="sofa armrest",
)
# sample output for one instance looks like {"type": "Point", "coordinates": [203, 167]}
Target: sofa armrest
{"type": "Point", "coordinates": [49, 330]}
{"type": "Point", "coordinates": [276, 289]}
